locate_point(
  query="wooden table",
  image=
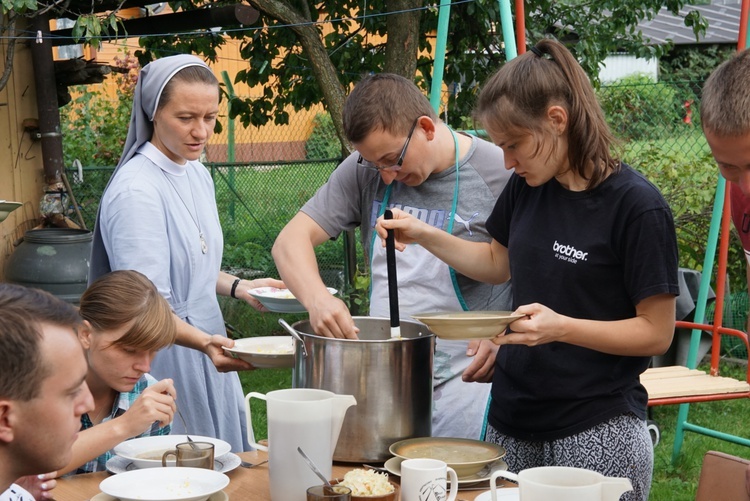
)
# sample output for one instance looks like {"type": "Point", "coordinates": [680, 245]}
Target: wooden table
{"type": "Point", "coordinates": [245, 483]}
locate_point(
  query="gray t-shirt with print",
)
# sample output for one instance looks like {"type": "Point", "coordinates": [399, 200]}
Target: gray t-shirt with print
{"type": "Point", "coordinates": [354, 196]}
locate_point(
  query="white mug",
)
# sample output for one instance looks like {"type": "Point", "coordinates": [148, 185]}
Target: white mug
{"type": "Point", "coordinates": [425, 480]}
{"type": "Point", "coordinates": [560, 483]}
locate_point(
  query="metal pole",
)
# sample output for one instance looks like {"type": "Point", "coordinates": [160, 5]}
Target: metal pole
{"type": "Point", "coordinates": [438, 69]}
{"type": "Point", "coordinates": [506, 21]}
{"type": "Point", "coordinates": [230, 139]}
{"type": "Point", "coordinates": [520, 27]}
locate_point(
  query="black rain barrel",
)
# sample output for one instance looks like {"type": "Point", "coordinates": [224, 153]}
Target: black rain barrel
{"type": "Point", "coordinates": [53, 259]}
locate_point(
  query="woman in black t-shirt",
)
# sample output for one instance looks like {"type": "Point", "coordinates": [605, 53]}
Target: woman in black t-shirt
{"type": "Point", "coordinates": [591, 247]}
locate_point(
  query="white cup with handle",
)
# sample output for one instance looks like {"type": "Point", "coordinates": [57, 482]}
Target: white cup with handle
{"type": "Point", "coordinates": [562, 483]}
{"type": "Point", "coordinates": [425, 480]}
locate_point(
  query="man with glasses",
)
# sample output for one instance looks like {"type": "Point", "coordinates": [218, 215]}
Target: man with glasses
{"type": "Point", "coordinates": [406, 158]}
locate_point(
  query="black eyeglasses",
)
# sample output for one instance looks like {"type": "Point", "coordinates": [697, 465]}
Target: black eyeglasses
{"type": "Point", "coordinates": [395, 167]}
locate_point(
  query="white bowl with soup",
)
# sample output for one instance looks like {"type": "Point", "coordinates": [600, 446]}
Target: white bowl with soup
{"type": "Point", "coordinates": [146, 452]}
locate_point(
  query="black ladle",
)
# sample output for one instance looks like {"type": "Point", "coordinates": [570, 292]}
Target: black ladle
{"type": "Point", "coordinates": [390, 259]}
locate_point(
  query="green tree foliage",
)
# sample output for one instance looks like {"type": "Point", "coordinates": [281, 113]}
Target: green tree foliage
{"type": "Point", "coordinates": [95, 125]}
{"type": "Point", "coordinates": [309, 52]}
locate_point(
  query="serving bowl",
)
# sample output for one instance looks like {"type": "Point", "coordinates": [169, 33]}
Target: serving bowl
{"type": "Point", "coordinates": [467, 324]}
{"type": "Point", "coordinates": [264, 351]}
{"type": "Point", "coordinates": [280, 300]}
{"type": "Point", "coordinates": [464, 455]}
{"type": "Point", "coordinates": [146, 452]}
{"type": "Point", "coordinates": [391, 496]}
{"type": "Point", "coordinates": [166, 484]}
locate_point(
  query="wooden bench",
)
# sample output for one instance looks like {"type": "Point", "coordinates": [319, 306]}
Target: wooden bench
{"type": "Point", "coordinates": [678, 384]}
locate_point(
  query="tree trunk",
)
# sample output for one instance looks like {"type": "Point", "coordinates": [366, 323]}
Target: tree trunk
{"type": "Point", "coordinates": [403, 38]}
{"type": "Point", "coordinates": [325, 73]}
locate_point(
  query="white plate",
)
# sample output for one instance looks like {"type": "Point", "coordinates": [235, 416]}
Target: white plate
{"type": "Point", "coordinates": [503, 493]}
{"type": "Point", "coordinates": [264, 352]}
{"type": "Point", "coordinates": [219, 496]}
{"type": "Point", "coordinates": [467, 324]}
{"type": "Point", "coordinates": [222, 464]}
{"type": "Point", "coordinates": [280, 300]}
{"type": "Point", "coordinates": [165, 484]}
{"type": "Point", "coordinates": [131, 449]}
{"type": "Point", "coordinates": [8, 207]}
{"type": "Point", "coordinates": [393, 466]}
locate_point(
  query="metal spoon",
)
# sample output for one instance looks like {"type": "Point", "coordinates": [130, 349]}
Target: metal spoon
{"type": "Point", "coordinates": [314, 468]}
{"type": "Point", "coordinates": [184, 425]}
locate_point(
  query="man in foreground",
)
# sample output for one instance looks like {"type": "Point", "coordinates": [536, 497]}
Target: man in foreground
{"type": "Point", "coordinates": [43, 392]}
{"type": "Point", "coordinates": [725, 117]}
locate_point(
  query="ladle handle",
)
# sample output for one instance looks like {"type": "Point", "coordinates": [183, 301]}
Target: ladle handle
{"type": "Point", "coordinates": [390, 259]}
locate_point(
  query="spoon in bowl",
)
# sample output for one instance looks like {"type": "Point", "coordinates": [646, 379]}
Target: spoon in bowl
{"type": "Point", "coordinates": [184, 425]}
{"type": "Point", "coordinates": [314, 468]}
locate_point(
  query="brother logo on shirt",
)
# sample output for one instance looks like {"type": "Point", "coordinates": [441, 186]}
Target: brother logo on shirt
{"type": "Point", "coordinates": [568, 253]}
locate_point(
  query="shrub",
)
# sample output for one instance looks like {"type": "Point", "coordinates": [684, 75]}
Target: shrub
{"type": "Point", "coordinates": [323, 142]}
{"type": "Point", "coordinates": [637, 108]}
{"type": "Point", "coordinates": [687, 178]}
{"type": "Point", "coordinates": [94, 125]}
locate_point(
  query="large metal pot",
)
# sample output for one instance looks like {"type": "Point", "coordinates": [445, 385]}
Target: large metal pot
{"type": "Point", "coordinates": [391, 380]}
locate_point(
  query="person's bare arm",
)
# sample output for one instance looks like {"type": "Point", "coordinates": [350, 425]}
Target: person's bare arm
{"type": "Point", "coordinates": [226, 282]}
{"type": "Point", "coordinates": [294, 254]}
{"type": "Point", "coordinates": [156, 403]}
{"type": "Point", "coordinates": [212, 345]}
{"type": "Point", "coordinates": [481, 261]}
{"type": "Point", "coordinates": [648, 333]}
{"type": "Point", "coordinates": [482, 367]}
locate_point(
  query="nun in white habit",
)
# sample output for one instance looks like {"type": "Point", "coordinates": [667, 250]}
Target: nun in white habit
{"type": "Point", "coordinates": [158, 215]}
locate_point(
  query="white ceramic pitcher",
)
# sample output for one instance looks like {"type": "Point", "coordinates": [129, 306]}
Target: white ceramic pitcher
{"type": "Point", "coordinates": [560, 483]}
{"type": "Point", "coordinates": [305, 418]}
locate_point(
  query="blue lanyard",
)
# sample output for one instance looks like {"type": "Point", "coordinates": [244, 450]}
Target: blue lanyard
{"type": "Point", "coordinates": [451, 218]}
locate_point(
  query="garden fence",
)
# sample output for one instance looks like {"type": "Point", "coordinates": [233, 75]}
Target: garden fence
{"type": "Point", "coordinates": [658, 125]}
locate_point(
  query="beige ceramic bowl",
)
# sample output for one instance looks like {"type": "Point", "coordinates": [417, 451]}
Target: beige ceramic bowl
{"type": "Point", "coordinates": [465, 456]}
{"type": "Point", "coordinates": [467, 324]}
{"type": "Point", "coordinates": [393, 496]}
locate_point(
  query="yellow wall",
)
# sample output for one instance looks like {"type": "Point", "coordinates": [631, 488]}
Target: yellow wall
{"type": "Point", "coordinates": [21, 172]}
{"type": "Point", "coordinates": [268, 143]}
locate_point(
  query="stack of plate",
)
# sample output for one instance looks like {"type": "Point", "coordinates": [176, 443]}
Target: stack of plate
{"type": "Point", "coordinates": [473, 460]}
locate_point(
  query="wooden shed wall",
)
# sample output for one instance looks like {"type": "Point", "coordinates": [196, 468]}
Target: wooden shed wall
{"type": "Point", "coordinates": [21, 171]}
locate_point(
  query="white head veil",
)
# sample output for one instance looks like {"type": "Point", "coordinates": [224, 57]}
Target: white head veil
{"type": "Point", "coordinates": [151, 82]}
{"type": "Point", "coordinates": [148, 90]}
